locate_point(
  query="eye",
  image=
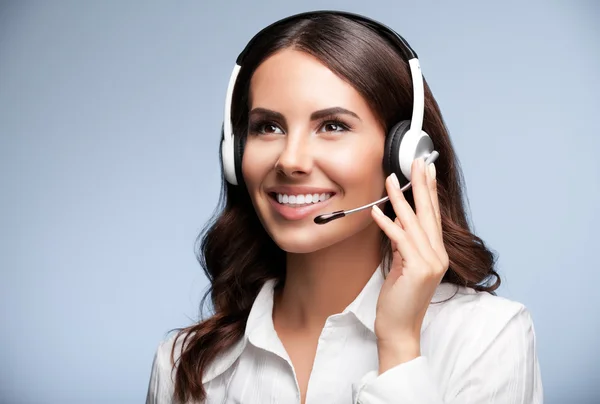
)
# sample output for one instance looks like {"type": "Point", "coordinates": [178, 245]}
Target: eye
{"type": "Point", "coordinates": [335, 126]}
{"type": "Point", "coordinates": [264, 128]}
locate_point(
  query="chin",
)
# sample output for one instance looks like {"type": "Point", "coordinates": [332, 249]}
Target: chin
{"type": "Point", "coordinates": [309, 238]}
{"type": "Point", "coordinates": [303, 244]}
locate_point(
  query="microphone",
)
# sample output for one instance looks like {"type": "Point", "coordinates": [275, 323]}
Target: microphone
{"type": "Point", "coordinates": [328, 217]}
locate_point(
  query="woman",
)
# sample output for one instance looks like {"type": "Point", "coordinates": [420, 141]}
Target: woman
{"type": "Point", "coordinates": [390, 305]}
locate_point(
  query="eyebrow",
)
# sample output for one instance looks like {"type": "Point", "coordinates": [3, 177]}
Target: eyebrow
{"type": "Point", "coordinates": [322, 113]}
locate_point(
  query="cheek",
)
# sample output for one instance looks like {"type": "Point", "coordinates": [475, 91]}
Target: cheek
{"type": "Point", "coordinates": [256, 163]}
{"type": "Point", "coordinates": [357, 168]}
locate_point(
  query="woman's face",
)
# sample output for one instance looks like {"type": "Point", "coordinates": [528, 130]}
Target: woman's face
{"type": "Point", "coordinates": [313, 147]}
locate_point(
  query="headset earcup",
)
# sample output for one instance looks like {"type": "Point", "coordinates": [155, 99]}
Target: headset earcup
{"type": "Point", "coordinates": [414, 145]}
{"type": "Point", "coordinates": [228, 160]}
{"type": "Point", "coordinates": [231, 158]}
{"type": "Point", "coordinates": [391, 161]}
{"type": "Point", "coordinates": [238, 152]}
{"type": "Point", "coordinates": [402, 147]}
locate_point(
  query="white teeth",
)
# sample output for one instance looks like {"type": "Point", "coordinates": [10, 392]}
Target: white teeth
{"type": "Point", "coordinates": [302, 199]}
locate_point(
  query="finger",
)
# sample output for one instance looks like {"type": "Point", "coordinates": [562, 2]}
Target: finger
{"type": "Point", "coordinates": [396, 270]}
{"type": "Point", "coordinates": [397, 236]}
{"type": "Point", "coordinates": [432, 183]}
{"type": "Point", "coordinates": [438, 243]}
{"type": "Point", "coordinates": [408, 218]}
{"type": "Point", "coordinates": [423, 204]}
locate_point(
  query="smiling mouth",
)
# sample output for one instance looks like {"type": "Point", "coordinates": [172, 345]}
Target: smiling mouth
{"type": "Point", "coordinates": [300, 201]}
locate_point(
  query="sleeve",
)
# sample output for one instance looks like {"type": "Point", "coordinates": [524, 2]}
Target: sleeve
{"type": "Point", "coordinates": [506, 371]}
{"type": "Point", "coordinates": [160, 386]}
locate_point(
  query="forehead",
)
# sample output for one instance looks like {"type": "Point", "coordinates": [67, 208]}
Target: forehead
{"type": "Point", "coordinates": [291, 79]}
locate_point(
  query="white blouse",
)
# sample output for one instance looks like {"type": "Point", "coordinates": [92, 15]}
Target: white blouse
{"type": "Point", "coordinates": [476, 348]}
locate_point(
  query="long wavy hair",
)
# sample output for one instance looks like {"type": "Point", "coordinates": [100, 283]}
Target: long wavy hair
{"type": "Point", "coordinates": [235, 251]}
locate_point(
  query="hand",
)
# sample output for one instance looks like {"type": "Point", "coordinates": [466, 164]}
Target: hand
{"type": "Point", "coordinates": [419, 263]}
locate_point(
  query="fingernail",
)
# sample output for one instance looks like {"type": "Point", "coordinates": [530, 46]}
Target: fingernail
{"type": "Point", "coordinates": [377, 210]}
{"type": "Point", "coordinates": [395, 180]}
{"type": "Point", "coordinates": [431, 171]}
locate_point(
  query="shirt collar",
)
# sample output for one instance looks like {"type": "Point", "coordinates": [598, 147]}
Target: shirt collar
{"type": "Point", "coordinates": [261, 332]}
{"type": "Point", "coordinates": [365, 304]}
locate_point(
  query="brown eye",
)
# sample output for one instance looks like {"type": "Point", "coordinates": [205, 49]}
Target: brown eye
{"type": "Point", "coordinates": [269, 128]}
{"type": "Point", "coordinates": [334, 126]}
{"type": "Point", "coordinates": [264, 128]}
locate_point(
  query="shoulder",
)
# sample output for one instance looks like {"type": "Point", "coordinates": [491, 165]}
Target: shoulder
{"type": "Point", "coordinates": [482, 348]}
{"type": "Point", "coordinates": [162, 375]}
{"type": "Point", "coordinates": [467, 300]}
{"type": "Point", "coordinates": [478, 320]}
{"type": "Point", "coordinates": [170, 348]}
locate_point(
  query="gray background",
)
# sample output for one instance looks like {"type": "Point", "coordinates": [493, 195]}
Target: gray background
{"type": "Point", "coordinates": [110, 116]}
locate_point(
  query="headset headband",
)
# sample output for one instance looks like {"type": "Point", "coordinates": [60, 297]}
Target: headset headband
{"type": "Point", "coordinates": [384, 30]}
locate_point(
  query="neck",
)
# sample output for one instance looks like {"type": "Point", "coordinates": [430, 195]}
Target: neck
{"type": "Point", "coordinates": [325, 282]}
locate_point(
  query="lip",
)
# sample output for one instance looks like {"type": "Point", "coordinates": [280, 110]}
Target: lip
{"type": "Point", "coordinates": [292, 213]}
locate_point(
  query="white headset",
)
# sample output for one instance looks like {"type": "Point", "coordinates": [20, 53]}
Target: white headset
{"type": "Point", "coordinates": [405, 141]}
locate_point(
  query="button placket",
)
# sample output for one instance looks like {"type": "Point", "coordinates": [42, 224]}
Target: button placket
{"type": "Point", "coordinates": [323, 376]}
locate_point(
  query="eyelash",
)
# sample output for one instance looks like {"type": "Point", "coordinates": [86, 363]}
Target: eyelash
{"type": "Point", "coordinates": [257, 128]}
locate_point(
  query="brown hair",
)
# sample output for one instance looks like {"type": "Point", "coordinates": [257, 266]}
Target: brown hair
{"type": "Point", "coordinates": [237, 254]}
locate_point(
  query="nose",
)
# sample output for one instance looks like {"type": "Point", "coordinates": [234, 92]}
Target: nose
{"type": "Point", "coordinates": [295, 160]}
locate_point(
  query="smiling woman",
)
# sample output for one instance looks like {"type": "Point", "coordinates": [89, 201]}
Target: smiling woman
{"type": "Point", "coordinates": [383, 306]}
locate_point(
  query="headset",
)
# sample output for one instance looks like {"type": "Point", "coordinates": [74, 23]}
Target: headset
{"type": "Point", "coordinates": [405, 141]}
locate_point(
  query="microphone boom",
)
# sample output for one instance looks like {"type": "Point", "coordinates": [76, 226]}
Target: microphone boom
{"type": "Point", "coordinates": [328, 217]}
